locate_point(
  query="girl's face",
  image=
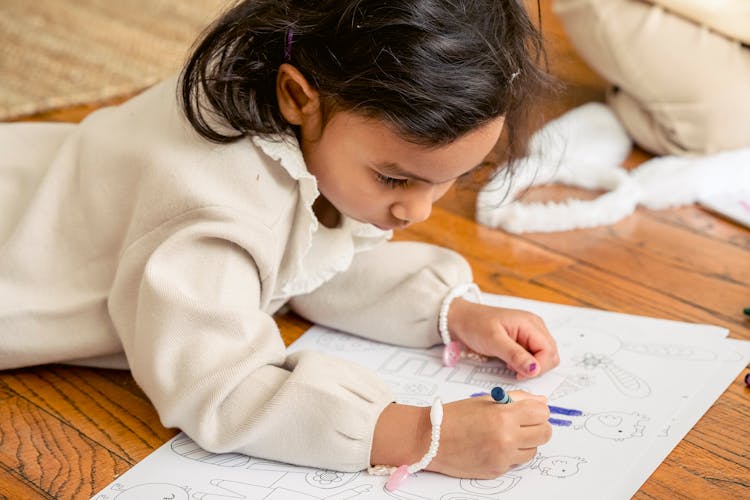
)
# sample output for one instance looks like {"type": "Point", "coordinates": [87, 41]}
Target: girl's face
{"type": "Point", "coordinates": [370, 174]}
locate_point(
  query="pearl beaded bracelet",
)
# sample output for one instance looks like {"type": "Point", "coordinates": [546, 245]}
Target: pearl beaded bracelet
{"type": "Point", "coordinates": [399, 474]}
{"type": "Point", "coordinates": [453, 350]}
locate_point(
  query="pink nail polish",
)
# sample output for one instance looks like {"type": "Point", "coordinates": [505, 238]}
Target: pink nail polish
{"type": "Point", "coordinates": [532, 368]}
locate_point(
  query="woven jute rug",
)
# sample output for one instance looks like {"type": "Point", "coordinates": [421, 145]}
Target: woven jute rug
{"type": "Point", "coordinates": [59, 53]}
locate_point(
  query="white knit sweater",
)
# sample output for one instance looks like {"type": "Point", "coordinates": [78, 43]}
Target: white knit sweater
{"type": "Point", "coordinates": [130, 235]}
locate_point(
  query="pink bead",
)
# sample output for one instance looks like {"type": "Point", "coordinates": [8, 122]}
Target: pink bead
{"type": "Point", "coordinates": [397, 477]}
{"type": "Point", "coordinates": [452, 353]}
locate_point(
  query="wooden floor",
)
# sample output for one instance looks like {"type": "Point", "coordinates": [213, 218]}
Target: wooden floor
{"type": "Point", "coordinates": [67, 432]}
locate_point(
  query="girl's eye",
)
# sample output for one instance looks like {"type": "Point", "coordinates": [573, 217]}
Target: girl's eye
{"type": "Point", "coordinates": [391, 182]}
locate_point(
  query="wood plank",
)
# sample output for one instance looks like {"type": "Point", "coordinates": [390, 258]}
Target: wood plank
{"type": "Point", "coordinates": [700, 221]}
{"type": "Point", "coordinates": [50, 455]}
{"type": "Point", "coordinates": [599, 289]}
{"type": "Point", "coordinates": [710, 275]}
{"type": "Point", "coordinates": [118, 419]}
{"type": "Point", "coordinates": [15, 486]}
{"type": "Point", "coordinates": [478, 244]}
{"type": "Point", "coordinates": [292, 326]}
{"type": "Point", "coordinates": [717, 431]}
{"type": "Point", "coordinates": [670, 264]}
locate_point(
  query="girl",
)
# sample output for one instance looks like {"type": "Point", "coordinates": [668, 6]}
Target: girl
{"type": "Point", "coordinates": [162, 234]}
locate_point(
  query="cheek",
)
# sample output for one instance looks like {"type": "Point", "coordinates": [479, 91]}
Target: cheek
{"type": "Point", "coordinates": [441, 190]}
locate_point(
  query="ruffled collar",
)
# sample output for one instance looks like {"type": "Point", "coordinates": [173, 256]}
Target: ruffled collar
{"type": "Point", "coordinates": [321, 252]}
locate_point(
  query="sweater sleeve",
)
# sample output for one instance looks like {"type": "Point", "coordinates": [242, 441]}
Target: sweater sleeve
{"type": "Point", "coordinates": [214, 365]}
{"type": "Point", "coordinates": [391, 293]}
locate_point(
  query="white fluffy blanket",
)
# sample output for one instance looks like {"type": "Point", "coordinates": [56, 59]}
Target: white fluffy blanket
{"type": "Point", "coordinates": [586, 147]}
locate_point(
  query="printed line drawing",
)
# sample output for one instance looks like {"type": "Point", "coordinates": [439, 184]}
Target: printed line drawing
{"type": "Point", "coordinates": [628, 383]}
{"type": "Point", "coordinates": [279, 479]}
{"type": "Point", "coordinates": [413, 363]}
{"type": "Point", "coordinates": [605, 363]}
{"type": "Point", "coordinates": [411, 387]}
{"type": "Point", "coordinates": [342, 342]}
{"type": "Point", "coordinates": [671, 351]}
{"type": "Point", "coordinates": [486, 375]}
{"type": "Point", "coordinates": [411, 391]}
{"type": "Point", "coordinates": [572, 383]}
{"type": "Point", "coordinates": [161, 491]}
{"type": "Point", "coordinates": [578, 339]}
{"type": "Point", "coordinates": [615, 425]}
{"type": "Point", "coordinates": [429, 365]}
{"type": "Point", "coordinates": [558, 466]}
{"type": "Point", "coordinates": [489, 487]}
{"type": "Point", "coordinates": [593, 349]}
{"type": "Point", "coordinates": [187, 448]}
{"type": "Point", "coordinates": [242, 491]}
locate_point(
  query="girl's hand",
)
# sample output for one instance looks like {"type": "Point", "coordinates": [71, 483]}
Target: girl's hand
{"type": "Point", "coordinates": [519, 338]}
{"type": "Point", "coordinates": [479, 438]}
{"type": "Point", "coordinates": [482, 439]}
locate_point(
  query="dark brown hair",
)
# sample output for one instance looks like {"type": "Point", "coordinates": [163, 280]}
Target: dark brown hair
{"type": "Point", "coordinates": [432, 69]}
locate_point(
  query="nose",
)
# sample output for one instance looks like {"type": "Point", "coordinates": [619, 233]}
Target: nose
{"type": "Point", "coordinates": [414, 206]}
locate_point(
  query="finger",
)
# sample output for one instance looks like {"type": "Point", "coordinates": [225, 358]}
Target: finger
{"type": "Point", "coordinates": [515, 356]}
{"type": "Point", "coordinates": [531, 436]}
{"type": "Point", "coordinates": [523, 395]}
{"type": "Point", "coordinates": [532, 411]}
{"type": "Point", "coordinates": [538, 341]}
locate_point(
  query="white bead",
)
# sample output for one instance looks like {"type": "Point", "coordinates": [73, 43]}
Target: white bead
{"type": "Point", "coordinates": [436, 415]}
{"type": "Point", "coordinates": [456, 291]}
{"type": "Point", "coordinates": [436, 419]}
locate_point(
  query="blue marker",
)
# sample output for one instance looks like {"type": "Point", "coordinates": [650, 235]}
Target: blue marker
{"type": "Point", "coordinates": [500, 396]}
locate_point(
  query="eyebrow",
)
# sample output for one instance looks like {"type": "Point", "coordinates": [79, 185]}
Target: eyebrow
{"type": "Point", "coordinates": [395, 169]}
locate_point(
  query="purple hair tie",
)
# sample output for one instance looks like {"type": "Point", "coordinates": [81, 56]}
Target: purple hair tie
{"type": "Point", "coordinates": [288, 47]}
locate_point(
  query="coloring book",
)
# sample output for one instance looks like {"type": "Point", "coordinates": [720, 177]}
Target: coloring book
{"type": "Point", "coordinates": [641, 383]}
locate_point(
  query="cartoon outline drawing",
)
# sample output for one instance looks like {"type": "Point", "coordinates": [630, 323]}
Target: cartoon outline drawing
{"type": "Point", "coordinates": [185, 447]}
{"type": "Point", "coordinates": [595, 358]}
{"type": "Point", "coordinates": [558, 466]}
{"type": "Point", "coordinates": [413, 363]}
{"type": "Point", "coordinates": [166, 491]}
{"type": "Point", "coordinates": [343, 342]}
{"type": "Point", "coordinates": [242, 490]}
{"type": "Point", "coordinates": [614, 425]}
{"type": "Point", "coordinates": [484, 374]}
{"type": "Point", "coordinates": [408, 387]}
{"type": "Point", "coordinates": [601, 356]}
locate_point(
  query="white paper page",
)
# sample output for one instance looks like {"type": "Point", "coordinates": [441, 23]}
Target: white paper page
{"type": "Point", "coordinates": [735, 358]}
{"type": "Point", "coordinates": [623, 371]}
{"type": "Point", "coordinates": [735, 206]}
{"type": "Point", "coordinates": [418, 375]}
{"type": "Point", "coordinates": [697, 391]}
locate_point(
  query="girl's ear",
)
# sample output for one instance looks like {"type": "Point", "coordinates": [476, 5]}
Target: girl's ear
{"type": "Point", "coordinates": [299, 102]}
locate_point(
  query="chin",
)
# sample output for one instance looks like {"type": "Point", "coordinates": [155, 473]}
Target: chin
{"type": "Point", "coordinates": [391, 227]}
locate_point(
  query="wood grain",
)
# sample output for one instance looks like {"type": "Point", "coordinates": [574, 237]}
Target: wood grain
{"type": "Point", "coordinates": [67, 432]}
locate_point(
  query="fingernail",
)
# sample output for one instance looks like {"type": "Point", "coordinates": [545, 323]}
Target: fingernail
{"type": "Point", "coordinates": [532, 368]}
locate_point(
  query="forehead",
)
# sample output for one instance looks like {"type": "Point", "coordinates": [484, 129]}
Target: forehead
{"type": "Point", "coordinates": [375, 144]}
